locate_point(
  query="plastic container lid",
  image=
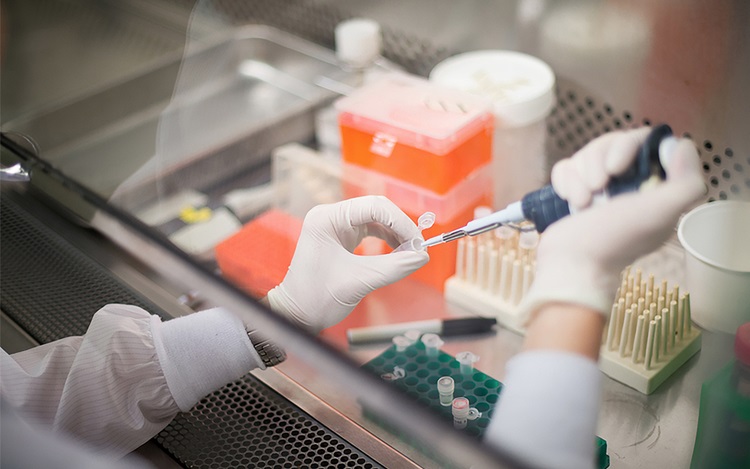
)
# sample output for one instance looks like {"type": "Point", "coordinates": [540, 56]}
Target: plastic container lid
{"type": "Point", "coordinates": [742, 343]}
{"type": "Point", "coordinates": [520, 86]}
{"type": "Point", "coordinates": [415, 112]}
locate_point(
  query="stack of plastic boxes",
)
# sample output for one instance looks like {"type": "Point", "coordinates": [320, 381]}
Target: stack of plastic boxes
{"type": "Point", "coordinates": [425, 147]}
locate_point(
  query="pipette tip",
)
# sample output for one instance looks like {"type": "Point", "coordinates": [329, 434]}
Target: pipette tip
{"type": "Point", "coordinates": [432, 241]}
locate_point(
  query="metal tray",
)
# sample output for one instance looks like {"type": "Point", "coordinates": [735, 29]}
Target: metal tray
{"type": "Point", "coordinates": [207, 116]}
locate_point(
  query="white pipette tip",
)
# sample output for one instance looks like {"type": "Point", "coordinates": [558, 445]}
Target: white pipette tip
{"type": "Point", "coordinates": [432, 241]}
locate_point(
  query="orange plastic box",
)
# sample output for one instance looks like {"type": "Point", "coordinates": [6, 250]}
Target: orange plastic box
{"type": "Point", "coordinates": [257, 257]}
{"type": "Point", "coordinates": [406, 127]}
{"type": "Point", "coordinates": [452, 210]}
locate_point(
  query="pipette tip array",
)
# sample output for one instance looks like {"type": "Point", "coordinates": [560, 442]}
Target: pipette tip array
{"type": "Point", "coordinates": [649, 334]}
{"type": "Point", "coordinates": [494, 270]}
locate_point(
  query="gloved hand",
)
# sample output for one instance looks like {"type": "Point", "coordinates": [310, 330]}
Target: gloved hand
{"type": "Point", "coordinates": [325, 280]}
{"type": "Point", "coordinates": [580, 258]}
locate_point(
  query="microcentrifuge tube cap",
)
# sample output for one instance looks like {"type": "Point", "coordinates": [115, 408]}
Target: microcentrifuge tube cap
{"type": "Point", "coordinates": [432, 343]}
{"type": "Point", "coordinates": [426, 220]}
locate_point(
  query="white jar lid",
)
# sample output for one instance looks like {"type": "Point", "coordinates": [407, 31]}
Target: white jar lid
{"type": "Point", "coordinates": [521, 86]}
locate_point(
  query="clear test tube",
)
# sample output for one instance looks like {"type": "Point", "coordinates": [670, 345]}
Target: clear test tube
{"type": "Point", "coordinates": [462, 412]}
{"type": "Point", "coordinates": [445, 387]}
{"type": "Point", "coordinates": [466, 361]}
{"type": "Point", "coordinates": [401, 343]}
{"type": "Point", "coordinates": [432, 344]}
{"type": "Point", "coordinates": [505, 237]}
{"type": "Point", "coordinates": [527, 242]}
{"type": "Point", "coordinates": [426, 220]}
{"type": "Point", "coordinates": [413, 335]}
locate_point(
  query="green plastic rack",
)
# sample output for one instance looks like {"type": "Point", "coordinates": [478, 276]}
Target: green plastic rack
{"type": "Point", "coordinates": [416, 374]}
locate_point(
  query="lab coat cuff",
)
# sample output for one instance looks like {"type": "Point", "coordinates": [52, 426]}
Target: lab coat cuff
{"type": "Point", "coordinates": [550, 400]}
{"type": "Point", "coordinates": [201, 352]}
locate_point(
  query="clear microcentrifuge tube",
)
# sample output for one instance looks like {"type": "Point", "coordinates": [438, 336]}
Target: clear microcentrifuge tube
{"type": "Point", "coordinates": [426, 220]}
{"type": "Point", "coordinates": [445, 387]}
{"type": "Point", "coordinates": [467, 360]}
{"type": "Point", "coordinates": [506, 237]}
{"type": "Point", "coordinates": [462, 412]}
{"type": "Point", "coordinates": [413, 335]}
{"type": "Point", "coordinates": [432, 344]}
{"type": "Point", "coordinates": [527, 242]}
{"type": "Point", "coordinates": [401, 343]}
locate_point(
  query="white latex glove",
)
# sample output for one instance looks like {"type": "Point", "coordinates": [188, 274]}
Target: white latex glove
{"type": "Point", "coordinates": [325, 280]}
{"type": "Point", "coordinates": [580, 258]}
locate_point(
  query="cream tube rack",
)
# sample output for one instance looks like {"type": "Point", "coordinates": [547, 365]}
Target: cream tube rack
{"type": "Point", "coordinates": [493, 272]}
{"type": "Point", "coordinates": [649, 334]}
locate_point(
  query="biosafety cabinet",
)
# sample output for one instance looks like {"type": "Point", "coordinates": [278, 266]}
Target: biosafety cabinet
{"type": "Point", "coordinates": [164, 154]}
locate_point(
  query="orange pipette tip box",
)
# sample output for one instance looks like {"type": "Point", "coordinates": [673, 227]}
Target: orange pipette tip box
{"type": "Point", "coordinates": [421, 133]}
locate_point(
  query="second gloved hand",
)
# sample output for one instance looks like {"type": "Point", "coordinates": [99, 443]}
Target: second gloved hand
{"type": "Point", "coordinates": [580, 258]}
{"type": "Point", "coordinates": [326, 280]}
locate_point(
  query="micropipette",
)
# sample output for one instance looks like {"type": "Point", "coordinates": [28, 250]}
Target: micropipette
{"type": "Point", "coordinates": [544, 207]}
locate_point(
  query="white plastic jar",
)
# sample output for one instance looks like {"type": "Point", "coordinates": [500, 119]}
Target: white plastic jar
{"type": "Point", "coordinates": [522, 90]}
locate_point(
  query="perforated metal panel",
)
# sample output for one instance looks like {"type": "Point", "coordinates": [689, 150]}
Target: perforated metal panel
{"type": "Point", "coordinates": [52, 290]}
{"type": "Point", "coordinates": [48, 286]}
{"type": "Point", "coordinates": [578, 118]}
{"type": "Point", "coordinates": [246, 424]}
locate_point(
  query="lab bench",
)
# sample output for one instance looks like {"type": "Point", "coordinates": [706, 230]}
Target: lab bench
{"type": "Point", "coordinates": [98, 126]}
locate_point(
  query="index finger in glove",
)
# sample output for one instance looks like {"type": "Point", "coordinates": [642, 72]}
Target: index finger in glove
{"type": "Point", "coordinates": [378, 209]}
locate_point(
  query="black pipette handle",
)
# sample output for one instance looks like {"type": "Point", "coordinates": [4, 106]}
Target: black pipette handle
{"type": "Point", "coordinates": [544, 207]}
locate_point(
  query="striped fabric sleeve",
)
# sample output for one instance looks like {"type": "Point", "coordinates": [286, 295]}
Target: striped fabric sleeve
{"type": "Point", "coordinates": [108, 388]}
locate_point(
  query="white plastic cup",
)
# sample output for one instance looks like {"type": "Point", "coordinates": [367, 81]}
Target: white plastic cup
{"type": "Point", "coordinates": [716, 238]}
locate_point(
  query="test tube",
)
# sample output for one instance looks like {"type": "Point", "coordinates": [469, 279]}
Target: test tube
{"type": "Point", "coordinates": [413, 335]}
{"type": "Point", "coordinates": [401, 343]}
{"type": "Point", "coordinates": [432, 344]}
{"type": "Point", "coordinates": [426, 220]}
{"type": "Point", "coordinates": [467, 360]}
{"type": "Point", "coordinates": [527, 242]}
{"type": "Point", "coordinates": [445, 387]}
{"type": "Point", "coordinates": [506, 237]}
{"type": "Point", "coordinates": [462, 412]}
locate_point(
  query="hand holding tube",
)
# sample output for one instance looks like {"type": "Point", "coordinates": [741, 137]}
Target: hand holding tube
{"type": "Point", "coordinates": [579, 258]}
{"type": "Point", "coordinates": [326, 280]}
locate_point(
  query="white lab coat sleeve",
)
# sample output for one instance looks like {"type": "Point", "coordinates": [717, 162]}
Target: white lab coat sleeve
{"type": "Point", "coordinates": [122, 382]}
{"type": "Point", "coordinates": [547, 411]}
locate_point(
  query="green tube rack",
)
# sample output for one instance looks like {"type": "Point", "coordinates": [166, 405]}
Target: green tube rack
{"type": "Point", "coordinates": [416, 374]}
